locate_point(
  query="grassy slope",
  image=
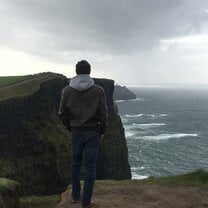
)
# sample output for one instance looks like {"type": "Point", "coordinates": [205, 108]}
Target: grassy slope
{"type": "Point", "coordinates": [6, 81]}
{"type": "Point", "coordinates": [44, 129]}
{"type": "Point", "coordinates": [6, 185]}
{"type": "Point", "coordinates": [197, 178]}
{"type": "Point", "coordinates": [23, 85]}
{"type": "Point", "coordinates": [48, 201]}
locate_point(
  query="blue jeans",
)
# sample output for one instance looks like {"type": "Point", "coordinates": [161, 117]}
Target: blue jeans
{"type": "Point", "coordinates": [84, 143]}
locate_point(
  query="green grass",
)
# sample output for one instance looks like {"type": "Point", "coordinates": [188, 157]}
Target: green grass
{"type": "Point", "coordinates": [39, 201]}
{"type": "Point", "coordinates": [197, 178]}
{"type": "Point", "coordinates": [6, 81]}
{"type": "Point", "coordinates": [6, 185]}
{"type": "Point", "coordinates": [25, 87]}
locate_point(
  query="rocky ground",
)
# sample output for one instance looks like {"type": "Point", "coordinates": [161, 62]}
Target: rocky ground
{"type": "Point", "coordinates": [143, 196]}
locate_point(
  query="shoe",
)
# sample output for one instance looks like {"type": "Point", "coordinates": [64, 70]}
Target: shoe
{"type": "Point", "coordinates": [90, 205]}
{"type": "Point", "coordinates": [75, 200]}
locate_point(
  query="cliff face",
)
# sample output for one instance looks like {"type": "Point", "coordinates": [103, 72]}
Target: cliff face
{"type": "Point", "coordinates": [35, 147]}
{"type": "Point", "coordinates": [113, 157]}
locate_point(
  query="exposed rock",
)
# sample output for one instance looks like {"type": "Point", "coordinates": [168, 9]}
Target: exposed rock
{"type": "Point", "coordinates": [123, 93]}
{"type": "Point", "coordinates": [142, 196]}
{"type": "Point", "coordinates": [113, 157]}
{"type": "Point", "coordinates": [35, 147]}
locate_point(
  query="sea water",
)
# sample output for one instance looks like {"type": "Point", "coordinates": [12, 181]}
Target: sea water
{"type": "Point", "coordinates": [166, 130]}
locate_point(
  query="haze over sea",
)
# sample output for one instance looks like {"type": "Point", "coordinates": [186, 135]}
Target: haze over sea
{"type": "Point", "coordinates": [166, 130]}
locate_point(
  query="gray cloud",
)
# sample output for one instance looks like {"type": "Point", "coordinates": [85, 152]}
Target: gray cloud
{"type": "Point", "coordinates": [115, 35]}
{"type": "Point", "coordinates": [52, 27]}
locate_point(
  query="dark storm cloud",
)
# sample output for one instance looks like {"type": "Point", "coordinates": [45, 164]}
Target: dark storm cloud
{"type": "Point", "coordinates": [52, 28]}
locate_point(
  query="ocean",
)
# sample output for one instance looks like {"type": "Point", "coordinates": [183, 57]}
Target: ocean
{"type": "Point", "coordinates": [166, 130]}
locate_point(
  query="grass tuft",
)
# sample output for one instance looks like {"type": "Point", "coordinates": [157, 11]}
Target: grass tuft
{"type": "Point", "coordinates": [39, 201]}
{"type": "Point", "coordinates": [196, 178]}
{"type": "Point", "coordinates": [8, 185]}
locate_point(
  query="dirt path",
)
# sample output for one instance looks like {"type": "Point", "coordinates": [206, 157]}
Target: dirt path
{"type": "Point", "coordinates": [132, 196]}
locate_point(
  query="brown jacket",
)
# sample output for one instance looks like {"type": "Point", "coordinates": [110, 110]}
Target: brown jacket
{"type": "Point", "coordinates": [85, 107]}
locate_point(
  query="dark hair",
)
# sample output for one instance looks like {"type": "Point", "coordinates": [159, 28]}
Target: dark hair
{"type": "Point", "coordinates": [83, 67]}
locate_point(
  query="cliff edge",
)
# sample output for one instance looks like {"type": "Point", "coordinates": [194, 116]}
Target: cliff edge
{"type": "Point", "coordinates": [181, 191]}
{"type": "Point", "coordinates": [35, 146]}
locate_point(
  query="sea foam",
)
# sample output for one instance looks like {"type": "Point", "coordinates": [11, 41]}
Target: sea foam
{"type": "Point", "coordinates": [135, 99]}
{"type": "Point", "coordinates": [129, 134]}
{"type": "Point", "coordinates": [147, 115]}
{"type": "Point", "coordinates": [166, 136]}
{"type": "Point", "coordinates": [137, 168]}
{"type": "Point", "coordinates": [119, 101]}
{"type": "Point", "coordinates": [134, 115]}
{"type": "Point", "coordinates": [137, 176]}
{"type": "Point", "coordinates": [146, 125]}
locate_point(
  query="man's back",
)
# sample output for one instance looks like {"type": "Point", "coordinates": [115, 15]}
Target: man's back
{"type": "Point", "coordinates": [84, 108]}
{"type": "Point", "coordinates": [83, 104]}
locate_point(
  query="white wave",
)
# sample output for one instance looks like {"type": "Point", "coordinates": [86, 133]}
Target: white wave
{"type": "Point", "coordinates": [134, 115]}
{"type": "Point", "coordinates": [146, 125]}
{"type": "Point", "coordinates": [148, 115]}
{"type": "Point", "coordinates": [129, 134]}
{"type": "Point", "coordinates": [135, 99]}
{"type": "Point", "coordinates": [119, 101]}
{"type": "Point", "coordinates": [163, 114]}
{"type": "Point", "coordinates": [137, 176]}
{"type": "Point", "coordinates": [137, 168]}
{"type": "Point", "coordinates": [128, 126]}
{"type": "Point", "coordinates": [124, 120]}
{"type": "Point", "coordinates": [157, 115]}
{"type": "Point", "coordinates": [167, 136]}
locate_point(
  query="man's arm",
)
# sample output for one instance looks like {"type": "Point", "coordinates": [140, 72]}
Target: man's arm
{"type": "Point", "coordinates": [62, 113]}
{"type": "Point", "coordinates": [103, 113]}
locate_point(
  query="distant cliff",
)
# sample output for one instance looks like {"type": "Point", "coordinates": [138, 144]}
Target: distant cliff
{"type": "Point", "coordinates": [34, 145]}
{"type": "Point", "coordinates": [123, 93]}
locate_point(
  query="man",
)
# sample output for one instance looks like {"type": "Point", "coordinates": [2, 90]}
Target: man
{"type": "Point", "coordinates": [83, 111]}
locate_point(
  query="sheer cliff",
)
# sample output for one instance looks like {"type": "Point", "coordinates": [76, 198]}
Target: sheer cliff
{"type": "Point", "coordinates": [34, 145]}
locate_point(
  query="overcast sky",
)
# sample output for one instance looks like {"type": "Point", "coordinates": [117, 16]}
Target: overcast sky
{"type": "Point", "coordinates": [134, 42]}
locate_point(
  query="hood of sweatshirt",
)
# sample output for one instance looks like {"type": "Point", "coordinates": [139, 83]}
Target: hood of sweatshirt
{"type": "Point", "coordinates": [81, 82]}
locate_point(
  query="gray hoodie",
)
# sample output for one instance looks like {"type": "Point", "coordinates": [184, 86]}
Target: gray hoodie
{"type": "Point", "coordinates": [81, 82]}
